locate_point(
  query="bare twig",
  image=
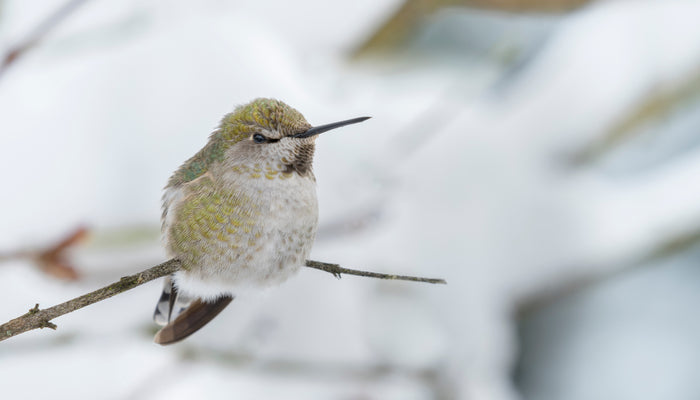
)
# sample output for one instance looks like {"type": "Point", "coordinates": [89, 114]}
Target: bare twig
{"type": "Point", "coordinates": [41, 318]}
{"type": "Point", "coordinates": [337, 270]}
{"type": "Point", "coordinates": [37, 318]}
{"type": "Point", "coordinates": [46, 25]}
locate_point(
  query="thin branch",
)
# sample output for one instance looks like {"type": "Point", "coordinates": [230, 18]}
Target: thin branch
{"type": "Point", "coordinates": [41, 318]}
{"type": "Point", "coordinates": [39, 32]}
{"type": "Point", "coordinates": [37, 318]}
{"type": "Point", "coordinates": [337, 270]}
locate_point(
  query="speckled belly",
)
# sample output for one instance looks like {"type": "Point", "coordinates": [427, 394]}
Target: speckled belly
{"type": "Point", "coordinates": [228, 241]}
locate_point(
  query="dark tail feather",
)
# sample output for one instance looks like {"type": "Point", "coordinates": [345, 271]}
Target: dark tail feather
{"type": "Point", "coordinates": [198, 314]}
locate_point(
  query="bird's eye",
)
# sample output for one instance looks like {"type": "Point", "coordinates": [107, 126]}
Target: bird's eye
{"type": "Point", "coordinates": [258, 138]}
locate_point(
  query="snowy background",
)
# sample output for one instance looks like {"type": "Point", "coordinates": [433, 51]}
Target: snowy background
{"type": "Point", "coordinates": [545, 164]}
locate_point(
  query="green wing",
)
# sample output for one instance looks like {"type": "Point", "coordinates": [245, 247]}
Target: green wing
{"type": "Point", "coordinates": [199, 164]}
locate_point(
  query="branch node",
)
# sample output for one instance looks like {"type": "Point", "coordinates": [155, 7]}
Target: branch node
{"type": "Point", "coordinates": [34, 310]}
{"type": "Point", "coordinates": [47, 324]}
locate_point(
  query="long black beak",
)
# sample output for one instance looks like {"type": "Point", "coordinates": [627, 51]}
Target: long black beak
{"type": "Point", "coordinates": [324, 128]}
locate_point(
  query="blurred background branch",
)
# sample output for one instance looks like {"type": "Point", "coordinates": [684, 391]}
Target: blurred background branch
{"type": "Point", "coordinates": [41, 30]}
{"type": "Point", "coordinates": [53, 258]}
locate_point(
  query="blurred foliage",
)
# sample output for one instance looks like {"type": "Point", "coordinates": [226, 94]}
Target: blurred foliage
{"type": "Point", "coordinates": [41, 30]}
{"type": "Point", "coordinates": [668, 247]}
{"type": "Point", "coordinates": [659, 104]}
{"type": "Point", "coordinates": [393, 33]}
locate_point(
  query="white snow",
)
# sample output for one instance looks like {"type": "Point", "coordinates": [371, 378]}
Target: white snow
{"type": "Point", "coordinates": [466, 184]}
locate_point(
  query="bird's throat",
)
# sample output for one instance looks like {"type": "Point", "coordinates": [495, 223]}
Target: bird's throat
{"type": "Point", "coordinates": [302, 160]}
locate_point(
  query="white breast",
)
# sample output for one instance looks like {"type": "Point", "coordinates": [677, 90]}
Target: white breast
{"type": "Point", "coordinates": [288, 221]}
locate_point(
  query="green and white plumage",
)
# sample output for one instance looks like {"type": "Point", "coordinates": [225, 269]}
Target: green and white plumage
{"type": "Point", "coordinates": [240, 214]}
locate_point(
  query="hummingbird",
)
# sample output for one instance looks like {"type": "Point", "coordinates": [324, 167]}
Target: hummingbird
{"type": "Point", "coordinates": [240, 214]}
